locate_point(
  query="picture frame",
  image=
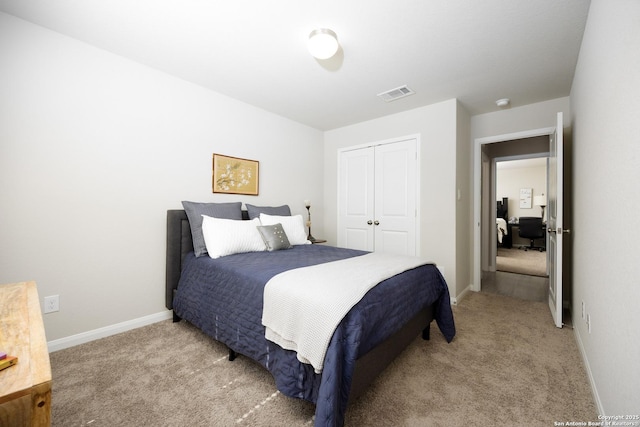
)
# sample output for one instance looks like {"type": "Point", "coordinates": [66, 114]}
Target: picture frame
{"type": "Point", "coordinates": [233, 175]}
{"type": "Point", "coordinates": [525, 198]}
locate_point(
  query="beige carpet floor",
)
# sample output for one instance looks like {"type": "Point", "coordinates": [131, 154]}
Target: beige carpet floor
{"type": "Point", "coordinates": [513, 260]}
{"type": "Point", "coordinates": [508, 365]}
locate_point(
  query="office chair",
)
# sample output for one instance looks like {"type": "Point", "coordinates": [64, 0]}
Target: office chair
{"type": "Point", "coordinates": [531, 228]}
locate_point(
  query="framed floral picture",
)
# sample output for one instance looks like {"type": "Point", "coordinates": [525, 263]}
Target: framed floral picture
{"type": "Point", "coordinates": [233, 175]}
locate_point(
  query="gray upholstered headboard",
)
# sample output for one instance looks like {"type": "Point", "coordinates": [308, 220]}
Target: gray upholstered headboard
{"type": "Point", "coordinates": [179, 243]}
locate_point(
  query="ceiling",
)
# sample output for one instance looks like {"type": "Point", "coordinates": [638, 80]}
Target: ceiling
{"type": "Point", "coordinates": [255, 50]}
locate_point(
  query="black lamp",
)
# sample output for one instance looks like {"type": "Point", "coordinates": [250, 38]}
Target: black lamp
{"type": "Point", "coordinates": [307, 204]}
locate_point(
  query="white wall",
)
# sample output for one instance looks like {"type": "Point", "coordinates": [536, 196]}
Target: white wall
{"type": "Point", "coordinates": [605, 101]}
{"type": "Point", "coordinates": [464, 203]}
{"type": "Point", "coordinates": [436, 124]}
{"type": "Point", "coordinates": [528, 117]}
{"type": "Point", "coordinates": [95, 148]}
{"type": "Point", "coordinates": [509, 181]}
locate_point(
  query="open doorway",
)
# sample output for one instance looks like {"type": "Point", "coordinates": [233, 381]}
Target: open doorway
{"type": "Point", "coordinates": [514, 184]}
{"type": "Point", "coordinates": [521, 189]}
{"type": "Point", "coordinates": [558, 215]}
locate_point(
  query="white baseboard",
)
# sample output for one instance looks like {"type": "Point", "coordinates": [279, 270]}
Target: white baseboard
{"type": "Point", "coordinates": [84, 337]}
{"type": "Point", "coordinates": [594, 390]}
{"type": "Point", "coordinates": [463, 294]}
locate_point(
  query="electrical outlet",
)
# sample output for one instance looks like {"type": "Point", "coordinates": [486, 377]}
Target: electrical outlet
{"type": "Point", "coordinates": [51, 304]}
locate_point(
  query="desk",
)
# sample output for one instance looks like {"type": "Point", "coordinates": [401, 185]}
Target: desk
{"type": "Point", "coordinates": [25, 388]}
{"type": "Point", "coordinates": [512, 230]}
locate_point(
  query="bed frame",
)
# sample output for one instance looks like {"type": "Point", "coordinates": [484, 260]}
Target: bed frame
{"type": "Point", "coordinates": [367, 367]}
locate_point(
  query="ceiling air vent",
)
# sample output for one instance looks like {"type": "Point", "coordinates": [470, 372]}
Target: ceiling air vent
{"type": "Point", "coordinates": [397, 93]}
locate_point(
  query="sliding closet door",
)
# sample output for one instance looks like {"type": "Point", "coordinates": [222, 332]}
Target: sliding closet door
{"type": "Point", "coordinates": [377, 197]}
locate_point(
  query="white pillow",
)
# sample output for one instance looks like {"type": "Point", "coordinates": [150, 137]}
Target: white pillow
{"type": "Point", "coordinates": [229, 236]}
{"type": "Point", "coordinates": [293, 227]}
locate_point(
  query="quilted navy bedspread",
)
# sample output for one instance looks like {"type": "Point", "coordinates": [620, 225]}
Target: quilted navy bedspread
{"type": "Point", "coordinates": [224, 297]}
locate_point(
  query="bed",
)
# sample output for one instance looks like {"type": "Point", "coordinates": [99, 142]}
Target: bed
{"type": "Point", "coordinates": [224, 297]}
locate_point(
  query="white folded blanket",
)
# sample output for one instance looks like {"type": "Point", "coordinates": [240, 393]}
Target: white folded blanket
{"type": "Point", "coordinates": [303, 307]}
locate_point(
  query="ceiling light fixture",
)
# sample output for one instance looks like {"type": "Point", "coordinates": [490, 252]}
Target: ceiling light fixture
{"type": "Point", "coordinates": [502, 102]}
{"type": "Point", "coordinates": [323, 43]}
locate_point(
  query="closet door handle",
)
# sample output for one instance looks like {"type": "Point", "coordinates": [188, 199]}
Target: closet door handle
{"type": "Point", "coordinates": [369, 222]}
{"type": "Point", "coordinates": [376, 222]}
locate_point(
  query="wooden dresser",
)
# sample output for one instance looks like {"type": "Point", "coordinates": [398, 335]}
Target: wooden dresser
{"type": "Point", "coordinates": [25, 388]}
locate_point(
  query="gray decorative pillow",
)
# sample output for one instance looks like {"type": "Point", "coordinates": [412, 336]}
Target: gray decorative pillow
{"type": "Point", "coordinates": [255, 211]}
{"type": "Point", "coordinates": [195, 211]}
{"type": "Point", "coordinates": [274, 237]}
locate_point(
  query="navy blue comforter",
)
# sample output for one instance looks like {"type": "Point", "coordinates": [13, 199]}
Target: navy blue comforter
{"type": "Point", "coordinates": [224, 298]}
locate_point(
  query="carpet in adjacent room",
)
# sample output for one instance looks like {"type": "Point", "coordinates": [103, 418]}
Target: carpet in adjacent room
{"type": "Point", "coordinates": [514, 260]}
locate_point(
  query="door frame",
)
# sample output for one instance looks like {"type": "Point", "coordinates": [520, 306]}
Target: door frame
{"type": "Point", "coordinates": [477, 192]}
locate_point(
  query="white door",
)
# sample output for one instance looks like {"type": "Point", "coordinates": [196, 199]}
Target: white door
{"type": "Point", "coordinates": [395, 198]}
{"type": "Point", "coordinates": [377, 198]}
{"type": "Point", "coordinates": [356, 199]}
{"type": "Point", "coordinates": [555, 223]}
